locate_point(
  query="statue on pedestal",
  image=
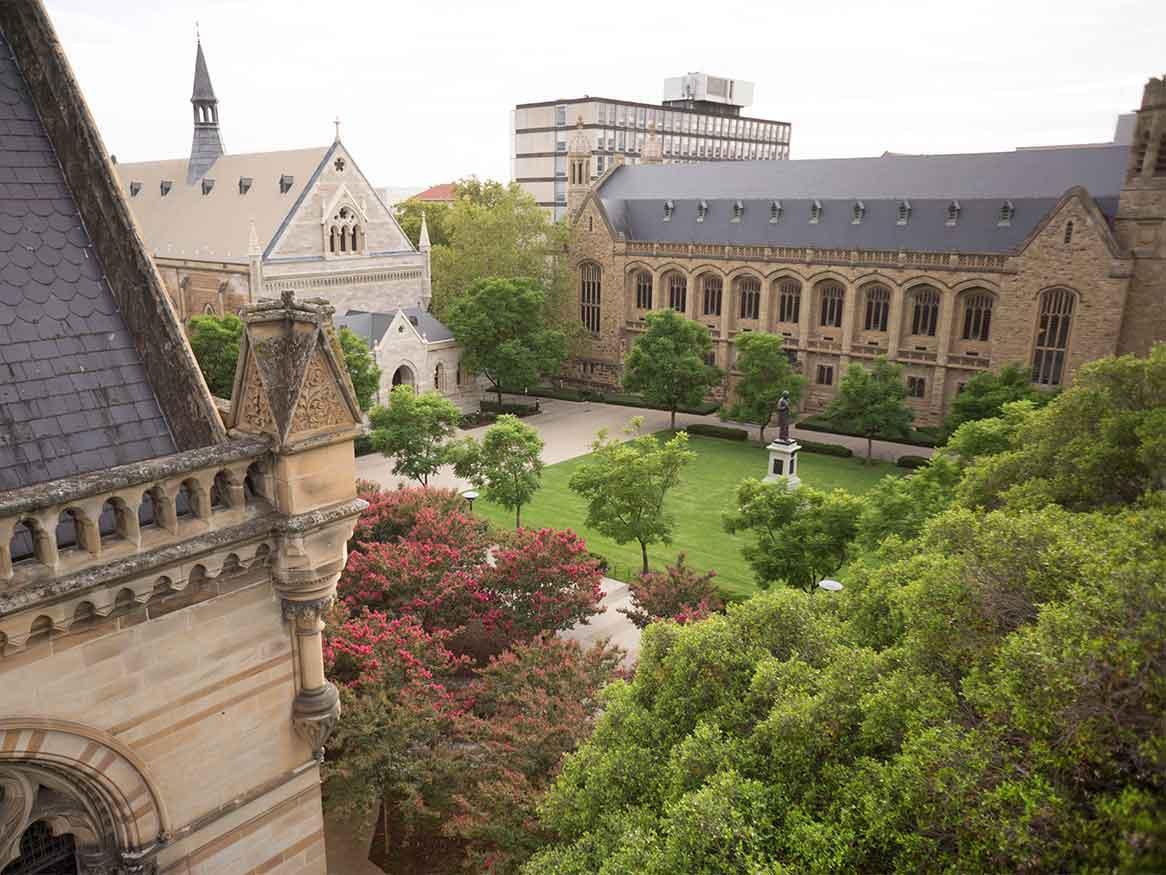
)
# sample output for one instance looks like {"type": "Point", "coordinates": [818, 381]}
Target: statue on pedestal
{"type": "Point", "coordinates": [783, 418]}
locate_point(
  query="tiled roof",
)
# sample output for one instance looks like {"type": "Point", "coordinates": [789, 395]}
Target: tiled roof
{"type": "Point", "coordinates": [444, 193]}
{"type": "Point", "coordinates": [1033, 180]}
{"type": "Point", "coordinates": [74, 397]}
{"type": "Point", "coordinates": [371, 327]}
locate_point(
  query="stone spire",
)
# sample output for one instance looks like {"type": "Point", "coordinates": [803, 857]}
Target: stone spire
{"type": "Point", "coordinates": [653, 152]}
{"type": "Point", "coordinates": [578, 168]}
{"type": "Point", "coordinates": [423, 237]}
{"type": "Point", "coordinates": [207, 145]}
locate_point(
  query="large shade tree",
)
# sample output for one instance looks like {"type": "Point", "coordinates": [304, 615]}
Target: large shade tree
{"type": "Point", "coordinates": [417, 431]}
{"type": "Point", "coordinates": [668, 365]}
{"type": "Point", "coordinates": [766, 373]}
{"type": "Point", "coordinates": [507, 464]}
{"type": "Point", "coordinates": [872, 402]}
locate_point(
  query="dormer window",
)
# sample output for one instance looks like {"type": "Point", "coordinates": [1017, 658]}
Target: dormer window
{"type": "Point", "coordinates": [775, 211]}
{"type": "Point", "coordinates": [135, 187]}
{"type": "Point", "coordinates": [245, 184]}
{"type": "Point", "coordinates": [702, 209]}
{"type": "Point", "coordinates": [857, 212]}
{"type": "Point", "coordinates": [1007, 211]}
{"type": "Point", "coordinates": [669, 206]}
{"type": "Point", "coordinates": [904, 215]}
{"type": "Point", "coordinates": [164, 187]}
{"type": "Point", "coordinates": [953, 214]}
{"type": "Point", "coordinates": [815, 212]}
{"type": "Point", "coordinates": [286, 181]}
{"type": "Point", "coordinates": [208, 185]}
{"type": "Point", "coordinates": [738, 211]}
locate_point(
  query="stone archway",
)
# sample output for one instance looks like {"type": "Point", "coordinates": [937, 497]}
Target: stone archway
{"type": "Point", "coordinates": [70, 788]}
{"type": "Point", "coordinates": [404, 376]}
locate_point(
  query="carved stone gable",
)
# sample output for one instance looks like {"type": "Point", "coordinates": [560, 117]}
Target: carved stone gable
{"type": "Point", "coordinates": [321, 401]}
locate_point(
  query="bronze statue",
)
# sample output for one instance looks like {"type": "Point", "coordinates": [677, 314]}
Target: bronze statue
{"type": "Point", "coordinates": [783, 418]}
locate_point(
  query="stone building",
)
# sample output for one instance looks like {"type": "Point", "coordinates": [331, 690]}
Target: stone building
{"type": "Point", "coordinates": [413, 348]}
{"type": "Point", "coordinates": [226, 230]}
{"type": "Point", "coordinates": [948, 264]}
{"type": "Point", "coordinates": [163, 564]}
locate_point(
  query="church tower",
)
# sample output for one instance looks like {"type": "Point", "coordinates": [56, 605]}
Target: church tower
{"type": "Point", "coordinates": [578, 169]}
{"type": "Point", "coordinates": [207, 145]}
{"type": "Point", "coordinates": [1141, 224]}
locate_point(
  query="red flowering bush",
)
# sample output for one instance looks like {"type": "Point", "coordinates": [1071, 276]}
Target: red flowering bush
{"type": "Point", "coordinates": [391, 514]}
{"type": "Point", "coordinates": [678, 593]}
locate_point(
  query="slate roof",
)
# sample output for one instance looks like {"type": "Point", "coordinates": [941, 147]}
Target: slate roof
{"type": "Point", "coordinates": [185, 223]}
{"type": "Point", "coordinates": [371, 327]}
{"type": "Point", "coordinates": [1032, 179]}
{"type": "Point", "coordinates": [74, 397]}
{"type": "Point", "coordinates": [203, 90]}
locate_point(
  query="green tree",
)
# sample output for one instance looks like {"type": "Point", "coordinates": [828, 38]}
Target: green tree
{"type": "Point", "coordinates": [666, 364]}
{"type": "Point", "coordinates": [765, 373]}
{"type": "Point", "coordinates": [415, 430]}
{"type": "Point", "coordinates": [984, 395]}
{"type": "Point", "coordinates": [625, 484]}
{"type": "Point", "coordinates": [507, 464]}
{"type": "Point", "coordinates": [871, 402]}
{"type": "Point", "coordinates": [800, 535]}
{"type": "Point", "coordinates": [215, 342]}
{"type": "Point", "coordinates": [501, 325]}
{"type": "Point", "coordinates": [494, 230]}
{"type": "Point", "coordinates": [409, 215]}
{"type": "Point", "coordinates": [362, 368]}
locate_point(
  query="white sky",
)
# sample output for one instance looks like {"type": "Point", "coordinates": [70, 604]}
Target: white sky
{"type": "Point", "coordinates": [424, 89]}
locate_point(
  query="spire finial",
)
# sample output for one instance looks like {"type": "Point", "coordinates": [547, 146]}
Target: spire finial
{"type": "Point", "coordinates": [423, 237]}
{"type": "Point", "coordinates": [336, 121]}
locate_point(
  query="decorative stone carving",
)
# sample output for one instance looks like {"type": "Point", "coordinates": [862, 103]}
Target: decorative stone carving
{"type": "Point", "coordinates": [320, 403]}
{"type": "Point", "coordinates": [294, 611]}
{"type": "Point", "coordinates": [315, 714]}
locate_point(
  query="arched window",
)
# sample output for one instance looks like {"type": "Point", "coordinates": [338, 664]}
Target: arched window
{"type": "Point", "coordinates": [110, 525]}
{"type": "Point", "coordinates": [1069, 231]}
{"type": "Point", "coordinates": [977, 315]}
{"type": "Point", "coordinates": [789, 299]}
{"type": "Point", "coordinates": [458, 375]}
{"type": "Point", "coordinates": [253, 483]}
{"type": "Point", "coordinates": [925, 316]}
{"type": "Point", "coordinates": [749, 290]}
{"type": "Point", "coordinates": [345, 233]}
{"type": "Point", "coordinates": [70, 530]}
{"type": "Point", "coordinates": [150, 510]}
{"type": "Point", "coordinates": [439, 377]}
{"type": "Point", "coordinates": [22, 547]}
{"type": "Point", "coordinates": [643, 290]}
{"type": "Point", "coordinates": [878, 305]}
{"type": "Point", "coordinates": [713, 287]}
{"type": "Point", "coordinates": [184, 501]}
{"type": "Point", "coordinates": [221, 492]}
{"type": "Point", "coordinates": [589, 296]}
{"type": "Point", "coordinates": [332, 239]}
{"type": "Point", "coordinates": [678, 292]}
{"type": "Point", "coordinates": [832, 295]}
{"type": "Point", "coordinates": [352, 237]}
{"type": "Point", "coordinates": [1052, 338]}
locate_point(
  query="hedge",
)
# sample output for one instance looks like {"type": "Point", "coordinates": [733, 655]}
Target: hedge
{"type": "Point", "coordinates": [619, 398]}
{"type": "Point", "coordinates": [718, 431]}
{"type": "Point", "coordinates": [515, 409]}
{"type": "Point", "coordinates": [917, 437]}
{"type": "Point", "coordinates": [912, 462]}
{"type": "Point", "coordinates": [826, 449]}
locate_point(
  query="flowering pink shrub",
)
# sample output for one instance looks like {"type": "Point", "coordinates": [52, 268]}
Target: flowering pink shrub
{"type": "Point", "coordinates": [678, 593]}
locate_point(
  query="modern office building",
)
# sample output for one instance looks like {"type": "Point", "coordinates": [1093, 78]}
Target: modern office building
{"type": "Point", "coordinates": [699, 119]}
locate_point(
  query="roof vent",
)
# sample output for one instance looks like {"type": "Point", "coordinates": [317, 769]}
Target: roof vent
{"type": "Point", "coordinates": [775, 211]}
{"type": "Point", "coordinates": [245, 184]}
{"type": "Point", "coordinates": [669, 206]}
{"type": "Point", "coordinates": [702, 209]}
{"type": "Point", "coordinates": [738, 211]}
{"type": "Point", "coordinates": [413, 321]}
{"type": "Point", "coordinates": [164, 187]}
{"type": "Point", "coordinates": [286, 181]}
{"type": "Point", "coordinates": [857, 212]}
{"type": "Point", "coordinates": [135, 187]}
{"type": "Point", "coordinates": [1007, 211]}
{"type": "Point", "coordinates": [904, 213]}
{"type": "Point", "coordinates": [207, 185]}
{"type": "Point", "coordinates": [815, 212]}
{"type": "Point", "coordinates": [953, 214]}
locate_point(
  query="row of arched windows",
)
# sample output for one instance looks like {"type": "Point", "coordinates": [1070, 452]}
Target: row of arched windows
{"type": "Point", "coordinates": [116, 521]}
{"type": "Point", "coordinates": [345, 234]}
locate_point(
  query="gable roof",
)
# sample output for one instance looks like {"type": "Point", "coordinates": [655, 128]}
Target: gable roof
{"type": "Point", "coordinates": [372, 327]}
{"type": "Point", "coordinates": [1033, 180]}
{"type": "Point", "coordinates": [446, 192]}
{"type": "Point", "coordinates": [74, 394]}
{"type": "Point", "coordinates": [185, 223]}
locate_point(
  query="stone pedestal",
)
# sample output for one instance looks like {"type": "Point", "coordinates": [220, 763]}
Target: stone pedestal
{"type": "Point", "coordinates": [783, 462]}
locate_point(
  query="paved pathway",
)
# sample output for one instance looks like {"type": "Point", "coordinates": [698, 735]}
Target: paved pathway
{"type": "Point", "coordinates": [611, 624]}
{"type": "Point", "coordinates": [569, 427]}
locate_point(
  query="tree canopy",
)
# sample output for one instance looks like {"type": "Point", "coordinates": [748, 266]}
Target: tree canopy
{"type": "Point", "coordinates": [416, 430]}
{"type": "Point", "coordinates": [625, 483]}
{"type": "Point", "coordinates": [666, 364]}
{"type": "Point", "coordinates": [766, 372]}
{"type": "Point", "coordinates": [501, 325]}
{"type": "Point", "coordinates": [984, 395]}
{"type": "Point", "coordinates": [362, 369]}
{"type": "Point", "coordinates": [507, 464]}
{"type": "Point", "coordinates": [871, 402]}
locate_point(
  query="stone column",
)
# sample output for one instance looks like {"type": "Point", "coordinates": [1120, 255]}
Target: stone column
{"type": "Point", "coordinates": [805, 313]}
{"type": "Point", "coordinates": [895, 322]}
{"type": "Point", "coordinates": [291, 385]}
{"type": "Point", "coordinates": [849, 307]}
{"type": "Point", "coordinates": [946, 314]}
{"type": "Point", "coordinates": [765, 308]}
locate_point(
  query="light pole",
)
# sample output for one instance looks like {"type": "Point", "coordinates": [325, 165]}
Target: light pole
{"type": "Point", "coordinates": [469, 495]}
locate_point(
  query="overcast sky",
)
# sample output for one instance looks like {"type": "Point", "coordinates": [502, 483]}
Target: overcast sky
{"type": "Point", "coordinates": [424, 89]}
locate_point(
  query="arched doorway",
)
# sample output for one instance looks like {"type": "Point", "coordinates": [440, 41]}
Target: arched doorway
{"type": "Point", "coordinates": [403, 376]}
{"type": "Point", "coordinates": [41, 852]}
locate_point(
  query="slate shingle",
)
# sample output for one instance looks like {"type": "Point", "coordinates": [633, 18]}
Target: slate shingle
{"type": "Point", "coordinates": [73, 392]}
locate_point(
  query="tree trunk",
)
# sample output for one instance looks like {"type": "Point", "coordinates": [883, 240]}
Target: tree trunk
{"type": "Point", "coordinates": [673, 426]}
{"type": "Point", "coordinates": [499, 390]}
{"type": "Point", "coordinates": [869, 443]}
{"type": "Point", "coordinates": [644, 553]}
{"type": "Point", "coordinates": [518, 516]}
{"type": "Point", "coordinates": [763, 433]}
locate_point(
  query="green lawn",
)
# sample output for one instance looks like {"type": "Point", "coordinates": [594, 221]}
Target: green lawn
{"type": "Point", "coordinates": [706, 491]}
